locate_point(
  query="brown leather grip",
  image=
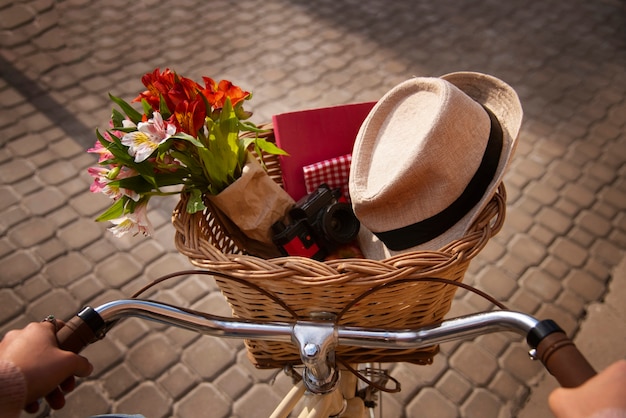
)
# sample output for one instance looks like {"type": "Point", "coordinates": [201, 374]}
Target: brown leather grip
{"type": "Point", "coordinates": [85, 328]}
{"type": "Point", "coordinates": [563, 360]}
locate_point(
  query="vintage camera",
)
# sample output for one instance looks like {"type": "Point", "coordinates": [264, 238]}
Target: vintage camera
{"type": "Point", "coordinates": [316, 225]}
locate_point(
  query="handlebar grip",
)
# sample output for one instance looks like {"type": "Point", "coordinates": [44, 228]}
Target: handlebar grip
{"type": "Point", "coordinates": [80, 331]}
{"type": "Point", "coordinates": [563, 360]}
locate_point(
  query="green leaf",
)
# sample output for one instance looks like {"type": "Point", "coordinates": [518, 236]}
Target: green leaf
{"type": "Point", "coordinates": [147, 109]}
{"type": "Point", "coordinates": [195, 203]}
{"type": "Point", "coordinates": [115, 147]}
{"type": "Point", "coordinates": [251, 127]}
{"type": "Point", "coordinates": [262, 144]}
{"type": "Point", "coordinates": [189, 138]}
{"type": "Point", "coordinates": [140, 185]}
{"type": "Point", "coordinates": [117, 210]}
{"type": "Point", "coordinates": [117, 117]}
{"type": "Point", "coordinates": [132, 114]}
{"type": "Point", "coordinates": [163, 109]}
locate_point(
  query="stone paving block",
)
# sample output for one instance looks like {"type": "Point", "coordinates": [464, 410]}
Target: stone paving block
{"type": "Point", "coordinates": [432, 402]}
{"type": "Point", "coordinates": [51, 249]}
{"type": "Point", "coordinates": [259, 375]}
{"type": "Point", "coordinates": [527, 249]}
{"type": "Point", "coordinates": [578, 195]}
{"type": "Point", "coordinates": [8, 197]}
{"type": "Point", "coordinates": [581, 237]}
{"type": "Point", "coordinates": [15, 170]}
{"type": "Point", "coordinates": [567, 206]}
{"type": "Point", "coordinates": [214, 303]}
{"type": "Point", "coordinates": [415, 377]}
{"type": "Point", "coordinates": [481, 404]}
{"type": "Point", "coordinates": [555, 267]}
{"type": "Point", "coordinates": [147, 251]}
{"type": "Point", "coordinates": [168, 263]}
{"type": "Point", "coordinates": [90, 205]}
{"type": "Point", "coordinates": [495, 343]}
{"type": "Point", "coordinates": [28, 186]}
{"type": "Point", "coordinates": [541, 284]}
{"type": "Point", "coordinates": [607, 252]}
{"type": "Point", "coordinates": [454, 386]}
{"type": "Point", "coordinates": [44, 201]}
{"type": "Point", "coordinates": [234, 382]}
{"type": "Point", "coordinates": [17, 267]}
{"type": "Point", "coordinates": [26, 146]}
{"type": "Point", "coordinates": [129, 331]}
{"type": "Point", "coordinates": [6, 247]}
{"type": "Point", "coordinates": [57, 173]}
{"type": "Point", "coordinates": [542, 193]}
{"type": "Point", "coordinates": [516, 361]}
{"type": "Point", "coordinates": [99, 250]}
{"type": "Point", "coordinates": [178, 380]}
{"type": "Point", "coordinates": [118, 271]}
{"type": "Point", "coordinates": [10, 305]}
{"type": "Point", "coordinates": [87, 400]}
{"type": "Point", "coordinates": [104, 355]}
{"type": "Point", "coordinates": [594, 223]}
{"type": "Point", "coordinates": [58, 302]}
{"type": "Point", "coordinates": [496, 283]}
{"type": "Point", "coordinates": [205, 397]}
{"type": "Point", "coordinates": [16, 15]}
{"type": "Point", "coordinates": [194, 288]}
{"type": "Point", "coordinates": [259, 400]}
{"type": "Point", "coordinates": [33, 231]}
{"type": "Point", "coordinates": [67, 269]}
{"type": "Point", "coordinates": [86, 288]}
{"type": "Point", "coordinates": [584, 284]}
{"type": "Point", "coordinates": [152, 356]}
{"type": "Point", "coordinates": [208, 357]}
{"type": "Point", "coordinates": [507, 387]}
{"type": "Point", "coordinates": [119, 381]}
{"type": "Point", "coordinates": [33, 288]}
{"type": "Point", "coordinates": [473, 362]}
{"type": "Point", "coordinates": [147, 400]}
{"type": "Point", "coordinates": [43, 158]}
{"type": "Point", "coordinates": [570, 252]}
{"type": "Point", "coordinates": [180, 337]}
{"type": "Point", "coordinates": [554, 220]}
{"type": "Point", "coordinates": [80, 233]}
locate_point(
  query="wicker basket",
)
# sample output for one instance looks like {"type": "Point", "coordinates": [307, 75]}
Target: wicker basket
{"type": "Point", "coordinates": [306, 286]}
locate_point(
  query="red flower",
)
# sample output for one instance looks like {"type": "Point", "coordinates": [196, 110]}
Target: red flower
{"type": "Point", "coordinates": [183, 89]}
{"type": "Point", "coordinates": [216, 93]}
{"type": "Point", "coordinates": [158, 85]}
{"type": "Point", "coordinates": [189, 116]}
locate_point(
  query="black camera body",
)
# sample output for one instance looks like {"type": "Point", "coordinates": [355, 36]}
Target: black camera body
{"type": "Point", "coordinates": [317, 224]}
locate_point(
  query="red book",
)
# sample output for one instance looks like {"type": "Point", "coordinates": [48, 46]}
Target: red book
{"type": "Point", "coordinates": [315, 135]}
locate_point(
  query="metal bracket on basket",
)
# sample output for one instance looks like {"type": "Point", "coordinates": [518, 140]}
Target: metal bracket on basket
{"type": "Point", "coordinates": [317, 341]}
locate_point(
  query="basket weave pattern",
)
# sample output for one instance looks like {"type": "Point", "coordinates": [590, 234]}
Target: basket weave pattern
{"type": "Point", "coordinates": [309, 286]}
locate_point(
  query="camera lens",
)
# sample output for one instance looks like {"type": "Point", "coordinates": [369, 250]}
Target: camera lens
{"type": "Point", "coordinates": [339, 223]}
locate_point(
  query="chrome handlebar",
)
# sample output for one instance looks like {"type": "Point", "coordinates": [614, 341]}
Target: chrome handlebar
{"type": "Point", "coordinates": [317, 339]}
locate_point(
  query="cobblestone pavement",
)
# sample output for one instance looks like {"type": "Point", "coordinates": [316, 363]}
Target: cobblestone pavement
{"type": "Point", "coordinates": [566, 224]}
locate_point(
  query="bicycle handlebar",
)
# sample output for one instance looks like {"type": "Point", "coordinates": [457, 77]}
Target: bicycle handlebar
{"type": "Point", "coordinates": [548, 342]}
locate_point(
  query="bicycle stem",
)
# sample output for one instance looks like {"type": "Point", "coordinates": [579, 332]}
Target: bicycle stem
{"type": "Point", "coordinates": [317, 338]}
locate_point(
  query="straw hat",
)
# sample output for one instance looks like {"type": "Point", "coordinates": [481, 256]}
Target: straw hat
{"type": "Point", "coordinates": [428, 158]}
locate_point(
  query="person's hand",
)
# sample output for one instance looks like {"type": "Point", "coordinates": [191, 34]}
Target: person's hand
{"type": "Point", "coordinates": [49, 371]}
{"type": "Point", "coordinates": [605, 391]}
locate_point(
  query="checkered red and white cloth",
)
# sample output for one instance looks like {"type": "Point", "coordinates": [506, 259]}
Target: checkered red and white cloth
{"type": "Point", "coordinates": [335, 172]}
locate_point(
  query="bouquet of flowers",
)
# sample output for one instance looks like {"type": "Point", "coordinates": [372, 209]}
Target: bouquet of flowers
{"type": "Point", "coordinates": [186, 134]}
